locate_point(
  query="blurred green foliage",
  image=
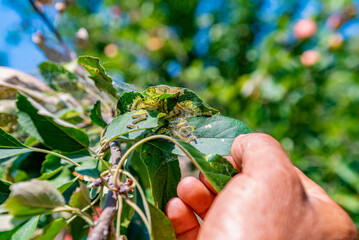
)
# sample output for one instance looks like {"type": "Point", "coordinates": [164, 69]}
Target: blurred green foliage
{"type": "Point", "coordinates": [243, 58]}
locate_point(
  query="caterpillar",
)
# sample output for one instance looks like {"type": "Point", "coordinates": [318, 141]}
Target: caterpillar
{"type": "Point", "coordinates": [132, 126]}
{"type": "Point", "coordinates": [139, 119]}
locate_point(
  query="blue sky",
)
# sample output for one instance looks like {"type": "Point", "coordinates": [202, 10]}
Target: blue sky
{"type": "Point", "coordinates": [21, 53]}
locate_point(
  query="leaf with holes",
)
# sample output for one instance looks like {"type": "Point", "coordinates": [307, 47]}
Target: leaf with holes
{"type": "Point", "coordinates": [99, 75]}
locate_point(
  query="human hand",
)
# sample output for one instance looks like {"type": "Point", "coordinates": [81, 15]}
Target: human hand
{"type": "Point", "coordinates": [269, 199]}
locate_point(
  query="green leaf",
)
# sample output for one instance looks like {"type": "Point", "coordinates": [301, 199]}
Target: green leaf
{"type": "Point", "coordinates": [50, 167]}
{"type": "Point", "coordinates": [66, 185]}
{"type": "Point", "coordinates": [118, 127]}
{"type": "Point", "coordinates": [25, 231]}
{"type": "Point", "coordinates": [126, 214]}
{"type": "Point", "coordinates": [217, 169]}
{"type": "Point", "coordinates": [52, 132]}
{"type": "Point", "coordinates": [196, 102]}
{"type": "Point", "coordinates": [51, 230]}
{"type": "Point", "coordinates": [173, 102]}
{"type": "Point", "coordinates": [96, 116]}
{"type": "Point", "coordinates": [81, 197]}
{"type": "Point", "coordinates": [33, 198]}
{"type": "Point", "coordinates": [10, 146]}
{"type": "Point", "coordinates": [58, 77]}
{"type": "Point", "coordinates": [215, 134]}
{"type": "Point", "coordinates": [6, 153]}
{"type": "Point", "coordinates": [4, 190]}
{"type": "Point", "coordinates": [163, 171]}
{"type": "Point", "coordinates": [8, 141]}
{"type": "Point", "coordinates": [98, 74]}
{"type": "Point", "coordinates": [126, 99]}
{"type": "Point", "coordinates": [161, 226]}
{"type": "Point", "coordinates": [63, 177]}
{"type": "Point", "coordinates": [91, 167]}
{"type": "Point", "coordinates": [189, 101]}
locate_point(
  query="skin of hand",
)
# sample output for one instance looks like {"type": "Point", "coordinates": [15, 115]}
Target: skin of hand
{"type": "Point", "coordinates": [269, 199]}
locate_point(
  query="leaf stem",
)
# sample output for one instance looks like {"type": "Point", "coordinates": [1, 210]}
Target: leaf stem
{"type": "Point", "coordinates": [119, 211]}
{"type": "Point", "coordinates": [76, 211]}
{"type": "Point", "coordinates": [55, 154]}
{"type": "Point", "coordinates": [104, 163]}
{"type": "Point", "coordinates": [140, 213]}
{"type": "Point", "coordinates": [133, 147]}
{"type": "Point", "coordinates": [143, 196]}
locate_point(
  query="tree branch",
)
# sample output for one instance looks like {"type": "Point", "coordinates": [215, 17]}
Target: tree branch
{"type": "Point", "coordinates": [52, 29]}
{"type": "Point", "coordinates": [104, 225]}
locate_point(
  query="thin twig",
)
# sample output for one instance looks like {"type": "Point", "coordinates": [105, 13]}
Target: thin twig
{"type": "Point", "coordinates": [52, 28]}
{"type": "Point", "coordinates": [143, 197]}
{"type": "Point", "coordinates": [104, 225]}
{"type": "Point", "coordinates": [140, 213]}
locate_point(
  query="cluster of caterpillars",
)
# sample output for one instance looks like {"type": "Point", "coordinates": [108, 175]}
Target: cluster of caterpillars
{"type": "Point", "coordinates": [184, 132]}
{"type": "Point", "coordinates": [137, 118]}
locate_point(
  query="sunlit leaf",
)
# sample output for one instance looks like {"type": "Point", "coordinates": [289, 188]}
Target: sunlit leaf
{"type": "Point", "coordinates": [215, 134]}
{"type": "Point", "coordinates": [117, 127]}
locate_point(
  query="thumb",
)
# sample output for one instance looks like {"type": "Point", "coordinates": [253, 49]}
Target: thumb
{"type": "Point", "coordinates": [259, 154]}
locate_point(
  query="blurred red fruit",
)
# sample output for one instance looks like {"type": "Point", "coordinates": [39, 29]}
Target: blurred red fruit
{"type": "Point", "coordinates": [305, 28]}
{"type": "Point", "coordinates": [111, 50]}
{"type": "Point", "coordinates": [68, 237]}
{"type": "Point", "coordinates": [309, 57]}
{"type": "Point", "coordinates": [154, 43]}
